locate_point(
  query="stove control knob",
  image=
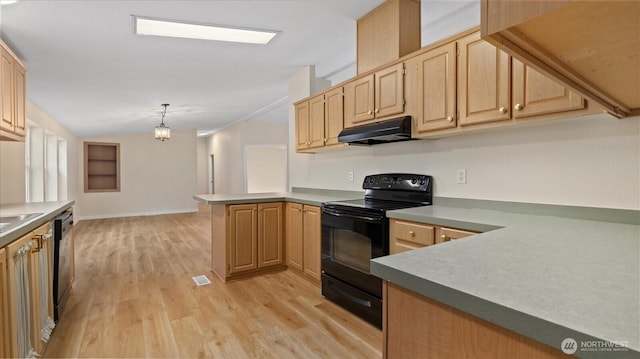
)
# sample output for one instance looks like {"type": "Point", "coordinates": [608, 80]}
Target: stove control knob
{"type": "Point", "coordinates": [414, 180]}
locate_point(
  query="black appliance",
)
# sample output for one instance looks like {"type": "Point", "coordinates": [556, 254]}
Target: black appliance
{"type": "Point", "coordinates": [394, 130]}
{"type": "Point", "coordinates": [355, 231]}
{"type": "Point", "coordinates": [61, 262]}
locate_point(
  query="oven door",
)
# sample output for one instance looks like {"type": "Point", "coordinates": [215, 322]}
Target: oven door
{"type": "Point", "coordinates": [350, 239]}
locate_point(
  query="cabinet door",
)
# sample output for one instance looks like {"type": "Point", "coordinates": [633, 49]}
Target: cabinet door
{"type": "Point", "coordinates": [243, 238]}
{"type": "Point", "coordinates": [270, 250]}
{"type": "Point", "coordinates": [7, 74]}
{"type": "Point", "coordinates": [294, 236]}
{"type": "Point", "coordinates": [316, 122]}
{"type": "Point", "coordinates": [389, 91]}
{"type": "Point", "coordinates": [483, 82]}
{"type": "Point", "coordinates": [32, 302]}
{"type": "Point", "coordinates": [406, 236]}
{"type": "Point", "coordinates": [437, 84]}
{"type": "Point", "coordinates": [302, 125]}
{"type": "Point", "coordinates": [311, 245]}
{"type": "Point", "coordinates": [447, 234]}
{"type": "Point", "coordinates": [537, 94]}
{"type": "Point", "coordinates": [4, 307]}
{"type": "Point", "coordinates": [334, 115]}
{"type": "Point", "coordinates": [20, 112]}
{"type": "Point", "coordinates": [358, 101]}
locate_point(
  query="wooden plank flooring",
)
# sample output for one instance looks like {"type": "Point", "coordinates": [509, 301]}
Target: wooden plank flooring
{"type": "Point", "coordinates": [134, 297]}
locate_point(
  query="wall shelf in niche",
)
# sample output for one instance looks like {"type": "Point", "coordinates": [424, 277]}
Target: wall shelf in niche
{"type": "Point", "coordinates": [101, 167]}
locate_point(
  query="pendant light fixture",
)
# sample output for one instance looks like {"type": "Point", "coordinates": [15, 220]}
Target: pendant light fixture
{"type": "Point", "coordinates": [163, 132]}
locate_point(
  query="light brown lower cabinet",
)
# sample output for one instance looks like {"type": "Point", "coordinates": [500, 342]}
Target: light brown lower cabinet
{"type": "Point", "coordinates": [303, 239]}
{"type": "Point", "coordinates": [415, 326]}
{"type": "Point", "coordinates": [407, 235]}
{"type": "Point", "coordinates": [33, 243]}
{"type": "Point", "coordinates": [247, 239]}
{"type": "Point", "coordinates": [4, 307]}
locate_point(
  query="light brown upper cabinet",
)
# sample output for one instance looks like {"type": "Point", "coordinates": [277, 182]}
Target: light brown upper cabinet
{"type": "Point", "coordinates": [302, 125]}
{"type": "Point", "coordinates": [372, 97]}
{"type": "Point", "coordinates": [316, 121]}
{"type": "Point", "coordinates": [537, 94]}
{"type": "Point", "coordinates": [484, 82]}
{"type": "Point", "coordinates": [101, 167]}
{"type": "Point", "coordinates": [468, 81]}
{"type": "Point", "coordinates": [334, 115]}
{"type": "Point", "coordinates": [13, 120]}
{"type": "Point", "coordinates": [319, 120]}
{"type": "Point", "coordinates": [387, 33]}
{"type": "Point", "coordinates": [433, 77]}
{"type": "Point", "coordinates": [591, 47]}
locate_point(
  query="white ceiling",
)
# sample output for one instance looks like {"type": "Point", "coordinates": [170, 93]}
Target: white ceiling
{"type": "Point", "coordinates": [94, 77]}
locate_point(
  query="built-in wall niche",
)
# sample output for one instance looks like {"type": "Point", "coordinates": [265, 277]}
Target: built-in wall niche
{"type": "Point", "coordinates": [101, 167]}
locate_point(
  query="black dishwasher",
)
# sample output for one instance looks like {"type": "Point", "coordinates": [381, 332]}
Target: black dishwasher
{"type": "Point", "coordinates": [62, 252]}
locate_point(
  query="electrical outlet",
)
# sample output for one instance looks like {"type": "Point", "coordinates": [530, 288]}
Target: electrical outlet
{"type": "Point", "coordinates": [462, 176]}
{"type": "Point", "coordinates": [351, 176]}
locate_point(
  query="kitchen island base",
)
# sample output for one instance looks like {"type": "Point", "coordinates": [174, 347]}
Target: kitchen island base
{"type": "Point", "coordinates": [418, 327]}
{"type": "Point", "coordinates": [247, 239]}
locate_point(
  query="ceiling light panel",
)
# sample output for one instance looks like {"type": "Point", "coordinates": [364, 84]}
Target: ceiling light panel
{"type": "Point", "coordinates": [169, 28]}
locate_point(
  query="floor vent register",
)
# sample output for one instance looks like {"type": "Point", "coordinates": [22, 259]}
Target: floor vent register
{"type": "Point", "coordinates": [201, 280]}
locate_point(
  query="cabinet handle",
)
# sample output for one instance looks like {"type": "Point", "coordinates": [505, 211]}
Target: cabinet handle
{"type": "Point", "coordinates": [325, 140]}
{"type": "Point", "coordinates": [450, 118]}
{"type": "Point", "coordinates": [369, 113]}
{"type": "Point", "coordinates": [502, 109]}
{"type": "Point", "coordinates": [377, 110]}
{"type": "Point", "coordinates": [444, 238]}
{"type": "Point", "coordinates": [518, 106]}
{"type": "Point", "coordinates": [412, 234]}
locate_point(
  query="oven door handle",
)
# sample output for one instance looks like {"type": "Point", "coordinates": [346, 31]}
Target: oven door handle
{"type": "Point", "coordinates": [351, 215]}
{"type": "Point", "coordinates": [342, 293]}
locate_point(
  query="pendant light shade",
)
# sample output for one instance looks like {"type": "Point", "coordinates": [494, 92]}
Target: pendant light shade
{"type": "Point", "coordinates": [163, 132]}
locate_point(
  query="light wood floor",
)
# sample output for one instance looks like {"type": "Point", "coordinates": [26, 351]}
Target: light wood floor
{"type": "Point", "coordinates": [134, 297]}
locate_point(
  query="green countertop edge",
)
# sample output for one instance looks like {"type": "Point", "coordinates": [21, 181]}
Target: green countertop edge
{"type": "Point", "coordinates": [6, 239]}
{"type": "Point", "coordinates": [624, 216]}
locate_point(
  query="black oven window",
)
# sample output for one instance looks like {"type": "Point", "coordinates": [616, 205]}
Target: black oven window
{"type": "Point", "coordinates": [351, 249]}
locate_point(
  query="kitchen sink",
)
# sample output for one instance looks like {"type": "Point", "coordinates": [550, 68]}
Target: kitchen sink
{"type": "Point", "coordinates": [9, 222]}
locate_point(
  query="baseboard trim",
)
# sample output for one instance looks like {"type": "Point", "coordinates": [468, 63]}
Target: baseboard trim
{"type": "Point", "coordinates": [135, 214]}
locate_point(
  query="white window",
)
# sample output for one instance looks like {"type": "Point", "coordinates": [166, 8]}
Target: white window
{"type": "Point", "coordinates": [46, 165]}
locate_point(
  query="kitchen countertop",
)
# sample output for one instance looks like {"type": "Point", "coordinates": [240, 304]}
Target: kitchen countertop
{"type": "Point", "coordinates": [304, 198]}
{"type": "Point", "coordinates": [548, 278]}
{"type": "Point", "coordinates": [49, 210]}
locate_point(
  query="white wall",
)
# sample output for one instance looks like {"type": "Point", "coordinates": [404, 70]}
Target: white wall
{"type": "Point", "coordinates": [228, 144]}
{"type": "Point", "coordinates": [12, 172]}
{"type": "Point", "coordinates": [265, 168]}
{"type": "Point", "coordinates": [156, 177]}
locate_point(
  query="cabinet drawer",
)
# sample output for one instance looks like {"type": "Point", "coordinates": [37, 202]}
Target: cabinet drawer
{"type": "Point", "coordinates": [447, 234]}
{"type": "Point", "coordinates": [413, 232]}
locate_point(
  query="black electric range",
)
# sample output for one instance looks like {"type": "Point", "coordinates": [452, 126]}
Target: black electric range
{"type": "Point", "coordinates": [355, 231]}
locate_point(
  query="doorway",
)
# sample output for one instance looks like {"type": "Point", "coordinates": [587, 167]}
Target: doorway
{"type": "Point", "coordinates": [265, 168]}
{"type": "Point", "coordinates": [212, 186]}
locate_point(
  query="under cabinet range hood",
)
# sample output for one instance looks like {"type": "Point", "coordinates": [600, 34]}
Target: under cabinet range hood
{"type": "Point", "coordinates": [397, 129]}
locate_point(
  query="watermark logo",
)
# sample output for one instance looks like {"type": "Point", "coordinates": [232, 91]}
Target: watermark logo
{"type": "Point", "coordinates": [569, 346]}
